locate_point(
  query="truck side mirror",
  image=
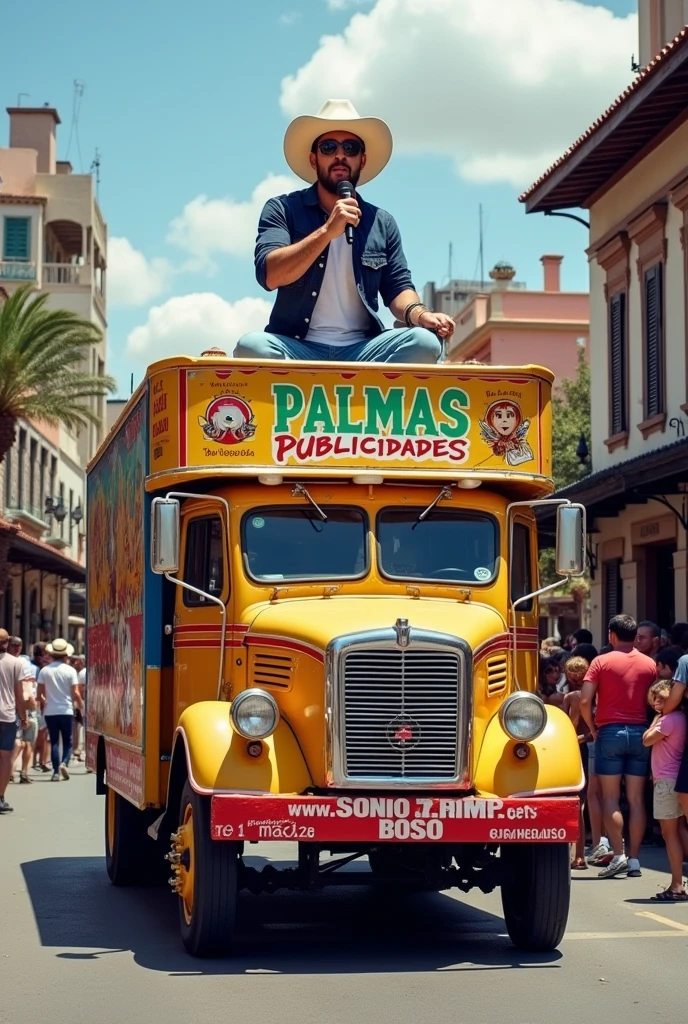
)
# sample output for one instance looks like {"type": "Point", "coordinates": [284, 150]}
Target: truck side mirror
{"type": "Point", "coordinates": [570, 551]}
{"type": "Point", "coordinates": [165, 535]}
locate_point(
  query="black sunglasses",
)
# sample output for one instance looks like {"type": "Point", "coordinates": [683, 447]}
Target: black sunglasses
{"type": "Point", "coordinates": [351, 147]}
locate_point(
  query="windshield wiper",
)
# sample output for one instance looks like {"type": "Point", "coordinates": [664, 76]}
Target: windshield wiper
{"type": "Point", "coordinates": [445, 493]}
{"type": "Point", "coordinates": [300, 491]}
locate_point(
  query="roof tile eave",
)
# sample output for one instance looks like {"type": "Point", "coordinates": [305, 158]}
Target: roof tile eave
{"type": "Point", "coordinates": [630, 90]}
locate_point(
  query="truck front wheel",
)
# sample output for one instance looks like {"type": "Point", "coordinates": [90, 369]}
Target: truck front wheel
{"type": "Point", "coordinates": [536, 892]}
{"type": "Point", "coordinates": [206, 880]}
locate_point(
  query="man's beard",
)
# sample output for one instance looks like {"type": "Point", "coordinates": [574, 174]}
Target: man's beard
{"type": "Point", "coordinates": [329, 184]}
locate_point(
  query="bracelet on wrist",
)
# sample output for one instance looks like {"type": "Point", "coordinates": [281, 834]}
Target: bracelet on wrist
{"type": "Point", "coordinates": [410, 308]}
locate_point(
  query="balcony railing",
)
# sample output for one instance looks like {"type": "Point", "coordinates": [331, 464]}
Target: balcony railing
{"type": "Point", "coordinates": [28, 515]}
{"type": "Point", "coordinates": [65, 273]}
{"type": "Point", "coordinates": [17, 270]}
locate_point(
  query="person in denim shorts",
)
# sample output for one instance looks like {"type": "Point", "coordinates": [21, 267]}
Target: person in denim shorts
{"type": "Point", "coordinates": [621, 681]}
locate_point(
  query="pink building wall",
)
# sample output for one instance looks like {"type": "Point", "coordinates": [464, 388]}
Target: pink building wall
{"type": "Point", "coordinates": [543, 327]}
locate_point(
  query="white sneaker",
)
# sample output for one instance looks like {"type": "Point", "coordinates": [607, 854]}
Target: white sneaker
{"type": "Point", "coordinates": [600, 855]}
{"type": "Point", "coordinates": [634, 868]}
{"type": "Point", "coordinates": [617, 866]}
{"type": "Point", "coordinates": [63, 772]}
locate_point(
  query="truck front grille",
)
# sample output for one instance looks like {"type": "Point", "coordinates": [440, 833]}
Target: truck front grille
{"type": "Point", "coordinates": [402, 714]}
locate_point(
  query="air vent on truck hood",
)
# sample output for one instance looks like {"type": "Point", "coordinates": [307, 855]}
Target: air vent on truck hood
{"type": "Point", "coordinates": [496, 675]}
{"type": "Point", "coordinates": [268, 669]}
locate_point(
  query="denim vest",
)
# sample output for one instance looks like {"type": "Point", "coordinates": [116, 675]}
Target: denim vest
{"type": "Point", "coordinates": [379, 263]}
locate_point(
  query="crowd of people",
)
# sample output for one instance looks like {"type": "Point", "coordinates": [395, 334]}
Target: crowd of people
{"type": "Point", "coordinates": [41, 711]}
{"type": "Point", "coordinates": [628, 705]}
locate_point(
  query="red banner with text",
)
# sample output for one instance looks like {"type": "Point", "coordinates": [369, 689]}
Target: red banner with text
{"type": "Point", "coordinates": [391, 818]}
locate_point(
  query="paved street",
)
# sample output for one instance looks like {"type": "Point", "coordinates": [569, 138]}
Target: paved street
{"type": "Point", "coordinates": [74, 948]}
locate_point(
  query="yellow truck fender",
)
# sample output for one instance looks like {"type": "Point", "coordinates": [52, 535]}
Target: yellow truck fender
{"type": "Point", "coordinates": [217, 759]}
{"type": "Point", "coordinates": [553, 767]}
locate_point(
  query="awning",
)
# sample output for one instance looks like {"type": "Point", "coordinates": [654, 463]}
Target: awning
{"type": "Point", "coordinates": [655, 474]}
{"type": "Point", "coordinates": [39, 555]}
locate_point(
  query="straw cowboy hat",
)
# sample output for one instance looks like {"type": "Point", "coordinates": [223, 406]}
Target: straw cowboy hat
{"type": "Point", "coordinates": [60, 648]}
{"type": "Point", "coordinates": [337, 116]}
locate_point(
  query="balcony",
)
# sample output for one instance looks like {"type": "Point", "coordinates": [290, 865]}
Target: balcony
{"type": "Point", "coordinates": [17, 270]}
{"type": "Point", "coordinates": [28, 516]}
{"type": "Point", "coordinates": [66, 274]}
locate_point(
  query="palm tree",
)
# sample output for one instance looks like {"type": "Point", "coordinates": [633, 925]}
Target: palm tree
{"type": "Point", "coordinates": [42, 354]}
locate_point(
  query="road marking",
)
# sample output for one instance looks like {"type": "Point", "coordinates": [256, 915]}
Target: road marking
{"type": "Point", "coordinates": [656, 934]}
{"type": "Point", "coordinates": [683, 928]}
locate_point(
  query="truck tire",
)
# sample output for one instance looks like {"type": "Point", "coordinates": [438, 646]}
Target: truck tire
{"type": "Point", "coordinates": [131, 856]}
{"type": "Point", "coordinates": [536, 892]}
{"type": "Point", "coordinates": [207, 881]}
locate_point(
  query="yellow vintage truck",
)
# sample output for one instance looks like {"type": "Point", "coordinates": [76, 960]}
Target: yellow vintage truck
{"type": "Point", "coordinates": [313, 617]}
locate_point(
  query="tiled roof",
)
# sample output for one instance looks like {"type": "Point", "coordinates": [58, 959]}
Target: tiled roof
{"type": "Point", "coordinates": [644, 81]}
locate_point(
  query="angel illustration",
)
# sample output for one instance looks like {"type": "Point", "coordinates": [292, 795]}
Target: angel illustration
{"type": "Point", "coordinates": [505, 430]}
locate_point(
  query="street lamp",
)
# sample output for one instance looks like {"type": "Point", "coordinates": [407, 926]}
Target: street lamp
{"type": "Point", "coordinates": [77, 514]}
{"type": "Point", "coordinates": [582, 451]}
{"type": "Point", "coordinates": [55, 508]}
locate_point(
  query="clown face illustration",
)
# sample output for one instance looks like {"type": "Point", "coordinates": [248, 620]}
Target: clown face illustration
{"type": "Point", "coordinates": [228, 420]}
{"type": "Point", "coordinates": [505, 431]}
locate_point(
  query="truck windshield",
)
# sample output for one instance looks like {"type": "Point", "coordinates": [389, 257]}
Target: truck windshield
{"type": "Point", "coordinates": [459, 547]}
{"type": "Point", "coordinates": [295, 544]}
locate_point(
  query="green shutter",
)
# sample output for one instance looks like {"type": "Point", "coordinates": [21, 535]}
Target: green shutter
{"type": "Point", "coordinates": [16, 238]}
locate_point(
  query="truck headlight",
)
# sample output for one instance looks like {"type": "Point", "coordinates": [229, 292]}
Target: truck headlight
{"type": "Point", "coordinates": [254, 714]}
{"type": "Point", "coordinates": [523, 716]}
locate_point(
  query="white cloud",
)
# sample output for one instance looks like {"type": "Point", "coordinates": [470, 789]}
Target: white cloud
{"type": "Point", "coordinates": [343, 5]}
{"type": "Point", "coordinates": [133, 280]}
{"type": "Point", "coordinates": [500, 88]}
{"type": "Point", "coordinates": [211, 226]}
{"type": "Point", "coordinates": [191, 323]}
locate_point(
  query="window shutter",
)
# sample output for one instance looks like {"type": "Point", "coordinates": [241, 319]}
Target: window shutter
{"type": "Point", "coordinates": [16, 238]}
{"type": "Point", "coordinates": [617, 362]}
{"type": "Point", "coordinates": [611, 584]}
{"type": "Point", "coordinates": [654, 355]}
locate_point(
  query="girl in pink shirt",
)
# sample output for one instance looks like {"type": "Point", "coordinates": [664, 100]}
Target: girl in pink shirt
{"type": "Point", "coordinates": [667, 737]}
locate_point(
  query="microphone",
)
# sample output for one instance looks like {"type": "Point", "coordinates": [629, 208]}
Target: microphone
{"type": "Point", "coordinates": [345, 190]}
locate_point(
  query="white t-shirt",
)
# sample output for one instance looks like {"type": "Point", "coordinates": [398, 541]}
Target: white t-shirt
{"type": "Point", "coordinates": [339, 317]}
{"type": "Point", "coordinates": [82, 677]}
{"type": "Point", "coordinates": [11, 672]}
{"type": "Point", "coordinates": [58, 679]}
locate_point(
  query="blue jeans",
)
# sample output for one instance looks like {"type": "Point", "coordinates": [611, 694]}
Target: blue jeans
{"type": "Point", "coordinates": [405, 345]}
{"type": "Point", "coordinates": [60, 725]}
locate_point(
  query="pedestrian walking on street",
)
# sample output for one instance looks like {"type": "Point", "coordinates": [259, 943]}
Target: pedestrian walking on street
{"type": "Point", "coordinates": [11, 709]}
{"type": "Point", "coordinates": [667, 739]}
{"type": "Point", "coordinates": [59, 685]}
{"type": "Point", "coordinates": [621, 681]}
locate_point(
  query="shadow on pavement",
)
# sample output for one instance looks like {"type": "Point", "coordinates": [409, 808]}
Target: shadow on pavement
{"type": "Point", "coordinates": [338, 931]}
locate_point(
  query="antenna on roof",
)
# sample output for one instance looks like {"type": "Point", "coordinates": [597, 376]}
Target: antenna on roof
{"type": "Point", "coordinates": [95, 169]}
{"type": "Point", "coordinates": [79, 87]}
{"type": "Point", "coordinates": [21, 96]}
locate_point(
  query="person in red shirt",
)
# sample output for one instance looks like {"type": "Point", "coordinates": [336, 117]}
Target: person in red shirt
{"type": "Point", "coordinates": [620, 680]}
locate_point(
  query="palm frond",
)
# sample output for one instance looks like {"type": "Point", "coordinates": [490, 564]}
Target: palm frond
{"type": "Point", "coordinates": [44, 355]}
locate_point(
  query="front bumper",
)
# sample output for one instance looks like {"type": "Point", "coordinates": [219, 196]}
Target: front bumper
{"type": "Point", "coordinates": [394, 818]}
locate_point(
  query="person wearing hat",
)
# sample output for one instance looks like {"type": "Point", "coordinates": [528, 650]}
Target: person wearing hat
{"type": "Point", "coordinates": [58, 686]}
{"type": "Point", "coordinates": [327, 284]}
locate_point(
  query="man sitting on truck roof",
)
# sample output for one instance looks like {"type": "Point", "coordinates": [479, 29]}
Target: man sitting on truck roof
{"type": "Point", "coordinates": [327, 277]}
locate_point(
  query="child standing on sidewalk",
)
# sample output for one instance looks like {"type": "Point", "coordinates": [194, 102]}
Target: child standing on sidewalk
{"type": "Point", "coordinates": [667, 737]}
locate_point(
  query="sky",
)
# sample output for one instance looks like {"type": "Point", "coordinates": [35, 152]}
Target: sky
{"type": "Point", "coordinates": [187, 105]}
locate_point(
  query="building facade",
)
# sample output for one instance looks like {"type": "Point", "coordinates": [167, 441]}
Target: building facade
{"type": "Point", "coordinates": [511, 328]}
{"type": "Point", "coordinates": [450, 298]}
{"type": "Point", "coordinates": [53, 235]}
{"type": "Point", "coordinates": [630, 171]}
